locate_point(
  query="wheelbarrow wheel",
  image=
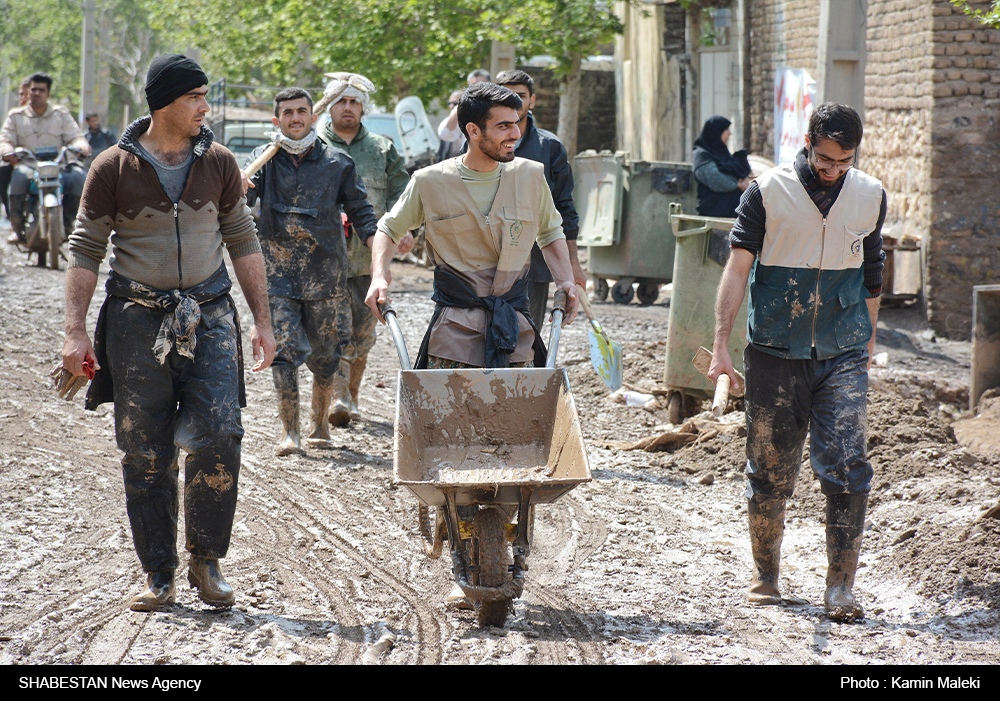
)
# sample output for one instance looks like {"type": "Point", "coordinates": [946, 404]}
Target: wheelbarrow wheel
{"type": "Point", "coordinates": [493, 560]}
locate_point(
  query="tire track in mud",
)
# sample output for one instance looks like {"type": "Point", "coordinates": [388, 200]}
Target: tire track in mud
{"type": "Point", "coordinates": [310, 515]}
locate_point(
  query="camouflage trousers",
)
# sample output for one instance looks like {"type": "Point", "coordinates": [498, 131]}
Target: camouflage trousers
{"type": "Point", "coordinates": [362, 320]}
{"type": "Point", "coordinates": [311, 331]}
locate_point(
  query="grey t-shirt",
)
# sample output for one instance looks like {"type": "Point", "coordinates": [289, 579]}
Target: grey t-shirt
{"type": "Point", "coordinates": [172, 178]}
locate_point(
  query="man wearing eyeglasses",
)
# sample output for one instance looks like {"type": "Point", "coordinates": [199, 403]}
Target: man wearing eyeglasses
{"type": "Point", "coordinates": [808, 237]}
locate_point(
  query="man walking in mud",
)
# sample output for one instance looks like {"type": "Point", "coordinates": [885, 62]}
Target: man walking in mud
{"type": "Point", "coordinates": [167, 345]}
{"type": "Point", "coordinates": [483, 211]}
{"type": "Point", "coordinates": [384, 176]}
{"type": "Point", "coordinates": [808, 236]}
{"type": "Point", "coordinates": [302, 190]}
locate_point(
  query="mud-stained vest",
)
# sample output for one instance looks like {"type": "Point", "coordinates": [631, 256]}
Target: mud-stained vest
{"type": "Point", "coordinates": [807, 285]}
{"type": "Point", "coordinates": [490, 252]}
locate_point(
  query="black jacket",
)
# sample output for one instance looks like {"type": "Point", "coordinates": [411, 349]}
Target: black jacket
{"type": "Point", "coordinates": [301, 231]}
{"type": "Point", "coordinates": [544, 147]}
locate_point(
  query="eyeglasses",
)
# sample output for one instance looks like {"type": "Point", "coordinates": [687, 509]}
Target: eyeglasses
{"type": "Point", "coordinates": [825, 163]}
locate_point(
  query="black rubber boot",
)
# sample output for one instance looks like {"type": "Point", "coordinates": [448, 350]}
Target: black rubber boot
{"type": "Point", "coordinates": [766, 519]}
{"type": "Point", "coordinates": [845, 522]}
{"type": "Point", "coordinates": [286, 385]}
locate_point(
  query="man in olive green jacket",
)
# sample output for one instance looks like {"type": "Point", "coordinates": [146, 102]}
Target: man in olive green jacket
{"type": "Point", "coordinates": [381, 168]}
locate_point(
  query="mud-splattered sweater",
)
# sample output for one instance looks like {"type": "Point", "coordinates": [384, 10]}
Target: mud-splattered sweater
{"type": "Point", "coordinates": [301, 230]}
{"type": "Point", "coordinates": [159, 243]}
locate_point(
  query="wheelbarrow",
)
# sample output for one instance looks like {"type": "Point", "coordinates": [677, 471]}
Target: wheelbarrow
{"type": "Point", "coordinates": [482, 447]}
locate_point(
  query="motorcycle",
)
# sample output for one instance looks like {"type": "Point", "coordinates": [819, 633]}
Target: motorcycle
{"type": "Point", "coordinates": [44, 232]}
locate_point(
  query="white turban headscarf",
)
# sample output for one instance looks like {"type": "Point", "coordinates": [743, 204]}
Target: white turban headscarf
{"type": "Point", "coordinates": [343, 85]}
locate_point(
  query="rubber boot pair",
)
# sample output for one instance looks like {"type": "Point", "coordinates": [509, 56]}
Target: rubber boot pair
{"type": "Point", "coordinates": [845, 523]}
{"type": "Point", "coordinates": [766, 519]}
{"type": "Point", "coordinates": [321, 396]}
{"type": "Point", "coordinates": [286, 385]}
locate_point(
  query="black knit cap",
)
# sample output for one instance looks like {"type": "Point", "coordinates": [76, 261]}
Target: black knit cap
{"type": "Point", "coordinates": [169, 77]}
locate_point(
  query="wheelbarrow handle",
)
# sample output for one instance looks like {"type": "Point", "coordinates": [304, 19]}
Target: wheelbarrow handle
{"type": "Point", "coordinates": [558, 312]}
{"type": "Point", "coordinates": [389, 314]}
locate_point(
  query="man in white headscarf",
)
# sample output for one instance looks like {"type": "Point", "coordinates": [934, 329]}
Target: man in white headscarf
{"type": "Point", "coordinates": [382, 171]}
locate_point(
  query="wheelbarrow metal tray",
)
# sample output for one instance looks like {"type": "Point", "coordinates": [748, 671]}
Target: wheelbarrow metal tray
{"type": "Point", "coordinates": [485, 434]}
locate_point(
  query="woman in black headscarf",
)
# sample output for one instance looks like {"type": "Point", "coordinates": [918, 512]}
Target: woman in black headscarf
{"type": "Point", "coordinates": [722, 177]}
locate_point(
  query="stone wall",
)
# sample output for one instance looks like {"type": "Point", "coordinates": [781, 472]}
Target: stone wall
{"type": "Point", "coordinates": [596, 127]}
{"type": "Point", "coordinates": [964, 245]}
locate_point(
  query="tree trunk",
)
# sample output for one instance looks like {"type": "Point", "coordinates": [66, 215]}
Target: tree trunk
{"type": "Point", "coordinates": [569, 106]}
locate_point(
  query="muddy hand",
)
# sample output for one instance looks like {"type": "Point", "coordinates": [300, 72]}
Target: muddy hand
{"type": "Point", "coordinates": [264, 347]}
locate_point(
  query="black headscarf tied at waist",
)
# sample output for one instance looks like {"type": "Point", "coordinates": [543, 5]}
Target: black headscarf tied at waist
{"type": "Point", "coordinates": [502, 327]}
{"type": "Point", "coordinates": [181, 315]}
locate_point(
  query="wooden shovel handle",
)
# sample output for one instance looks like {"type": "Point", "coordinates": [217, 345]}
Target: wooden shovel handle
{"type": "Point", "coordinates": [721, 398]}
{"type": "Point", "coordinates": [582, 295]}
{"type": "Point", "coordinates": [263, 158]}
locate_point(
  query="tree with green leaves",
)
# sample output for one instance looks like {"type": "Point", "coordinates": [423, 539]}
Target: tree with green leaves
{"type": "Point", "coordinates": [43, 36]}
{"type": "Point", "coordinates": [988, 16]}
{"type": "Point", "coordinates": [567, 30]}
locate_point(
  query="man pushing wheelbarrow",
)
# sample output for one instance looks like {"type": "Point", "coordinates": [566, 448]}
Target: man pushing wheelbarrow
{"type": "Point", "coordinates": [483, 211]}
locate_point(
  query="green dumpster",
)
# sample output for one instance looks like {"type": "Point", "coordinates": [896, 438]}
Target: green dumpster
{"type": "Point", "coordinates": [702, 249]}
{"type": "Point", "coordinates": [624, 209]}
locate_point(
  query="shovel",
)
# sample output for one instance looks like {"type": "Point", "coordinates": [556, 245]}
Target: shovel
{"type": "Point", "coordinates": [605, 354]}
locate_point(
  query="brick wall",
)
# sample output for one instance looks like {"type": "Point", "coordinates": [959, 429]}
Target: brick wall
{"type": "Point", "coordinates": [964, 237]}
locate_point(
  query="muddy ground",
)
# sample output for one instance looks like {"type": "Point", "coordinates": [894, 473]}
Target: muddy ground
{"type": "Point", "coordinates": [648, 563]}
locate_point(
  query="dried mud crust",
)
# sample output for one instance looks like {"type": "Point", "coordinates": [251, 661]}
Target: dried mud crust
{"type": "Point", "coordinates": [647, 563]}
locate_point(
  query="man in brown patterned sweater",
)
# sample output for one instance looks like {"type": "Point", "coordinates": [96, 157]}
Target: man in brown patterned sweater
{"type": "Point", "coordinates": [167, 344]}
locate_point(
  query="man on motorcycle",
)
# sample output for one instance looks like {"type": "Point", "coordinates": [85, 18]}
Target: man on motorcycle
{"type": "Point", "coordinates": [39, 124]}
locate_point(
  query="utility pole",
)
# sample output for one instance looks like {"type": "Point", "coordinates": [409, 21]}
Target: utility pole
{"type": "Point", "coordinates": [88, 63]}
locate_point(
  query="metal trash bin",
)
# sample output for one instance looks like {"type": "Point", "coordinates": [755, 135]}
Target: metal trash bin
{"type": "Point", "coordinates": [624, 209]}
{"type": "Point", "coordinates": [702, 250]}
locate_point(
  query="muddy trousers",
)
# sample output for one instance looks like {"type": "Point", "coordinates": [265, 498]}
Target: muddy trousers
{"type": "Point", "coordinates": [788, 399]}
{"type": "Point", "coordinates": [181, 404]}
{"type": "Point", "coordinates": [312, 331]}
